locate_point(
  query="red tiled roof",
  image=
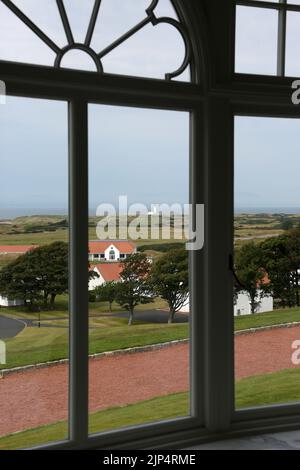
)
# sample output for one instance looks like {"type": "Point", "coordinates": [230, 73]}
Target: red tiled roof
{"type": "Point", "coordinates": [110, 271]}
{"type": "Point", "coordinates": [17, 249]}
{"type": "Point", "coordinates": [265, 280]}
{"type": "Point", "coordinates": [124, 246]}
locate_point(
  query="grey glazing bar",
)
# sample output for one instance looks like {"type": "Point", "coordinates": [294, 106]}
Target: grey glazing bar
{"type": "Point", "coordinates": [31, 25]}
{"type": "Point", "coordinates": [281, 46]}
{"type": "Point", "coordinates": [125, 36]}
{"type": "Point", "coordinates": [78, 144]}
{"type": "Point", "coordinates": [269, 5]}
{"type": "Point", "coordinates": [65, 21]}
{"type": "Point", "coordinates": [92, 24]}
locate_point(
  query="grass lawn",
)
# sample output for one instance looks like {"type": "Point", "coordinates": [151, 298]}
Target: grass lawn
{"type": "Point", "coordinates": [161, 408]}
{"type": "Point", "coordinates": [269, 389]}
{"type": "Point", "coordinates": [35, 345]}
{"type": "Point", "coordinates": [288, 315]}
{"type": "Point", "coordinates": [108, 333]}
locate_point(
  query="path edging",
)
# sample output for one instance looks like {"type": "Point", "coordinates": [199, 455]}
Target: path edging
{"type": "Point", "coordinates": [118, 352]}
{"type": "Point", "coordinates": [266, 328]}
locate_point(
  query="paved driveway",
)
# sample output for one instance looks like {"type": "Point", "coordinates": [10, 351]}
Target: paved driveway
{"type": "Point", "coordinates": [9, 327]}
{"type": "Point", "coordinates": [155, 316]}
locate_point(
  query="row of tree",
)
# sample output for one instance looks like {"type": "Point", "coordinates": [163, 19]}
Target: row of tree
{"type": "Point", "coordinates": [141, 282]}
{"type": "Point", "coordinates": [37, 277]}
{"type": "Point", "coordinates": [271, 267]}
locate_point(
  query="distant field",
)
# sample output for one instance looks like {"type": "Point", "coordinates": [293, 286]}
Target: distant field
{"type": "Point", "coordinates": [259, 226]}
{"type": "Point", "coordinates": [43, 230]}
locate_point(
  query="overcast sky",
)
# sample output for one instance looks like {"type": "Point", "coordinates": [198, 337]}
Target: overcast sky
{"type": "Point", "coordinates": [141, 153]}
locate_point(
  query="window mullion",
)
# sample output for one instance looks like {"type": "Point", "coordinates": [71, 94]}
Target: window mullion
{"type": "Point", "coordinates": [281, 47]}
{"type": "Point", "coordinates": [78, 145]}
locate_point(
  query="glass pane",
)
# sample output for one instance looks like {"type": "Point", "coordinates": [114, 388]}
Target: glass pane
{"type": "Point", "coordinates": [110, 36]}
{"type": "Point", "coordinates": [139, 369]}
{"type": "Point", "coordinates": [267, 261]}
{"type": "Point", "coordinates": [256, 41]}
{"type": "Point", "coordinates": [292, 44]}
{"type": "Point", "coordinates": [33, 272]}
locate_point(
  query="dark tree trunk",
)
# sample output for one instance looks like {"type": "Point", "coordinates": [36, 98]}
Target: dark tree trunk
{"type": "Point", "coordinates": [171, 316]}
{"type": "Point", "coordinates": [52, 300]}
{"type": "Point", "coordinates": [110, 307]}
{"type": "Point", "coordinates": [130, 320]}
{"type": "Point", "coordinates": [253, 303]}
{"type": "Point", "coordinates": [45, 299]}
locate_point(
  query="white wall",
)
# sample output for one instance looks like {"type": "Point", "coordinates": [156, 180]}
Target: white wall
{"type": "Point", "coordinates": [243, 306]}
{"type": "Point", "coordinates": [96, 281]}
{"type": "Point", "coordinates": [4, 302]}
{"type": "Point", "coordinates": [117, 253]}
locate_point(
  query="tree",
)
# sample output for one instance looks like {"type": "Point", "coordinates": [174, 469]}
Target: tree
{"type": "Point", "coordinates": [250, 272]}
{"type": "Point", "coordinates": [107, 293]}
{"type": "Point", "coordinates": [42, 273]}
{"type": "Point", "coordinates": [18, 280]}
{"type": "Point", "coordinates": [170, 280]}
{"type": "Point", "coordinates": [51, 266]}
{"type": "Point", "coordinates": [133, 288]}
{"type": "Point", "coordinates": [281, 259]}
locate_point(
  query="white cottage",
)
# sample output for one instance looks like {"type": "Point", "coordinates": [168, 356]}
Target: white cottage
{"type": "Point", "coordinates": [105, 272]}
{"type": "Point", "coordinates": [112, 251]}
{"type": "Point", "coordinates": [243, 305]}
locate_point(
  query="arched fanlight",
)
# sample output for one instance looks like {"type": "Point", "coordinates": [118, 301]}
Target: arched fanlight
{"type": "Point", "coordinates": [97, 56]}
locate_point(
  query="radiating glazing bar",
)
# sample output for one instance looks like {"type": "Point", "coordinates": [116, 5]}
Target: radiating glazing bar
{"type": "Point", "coordinates": [65, 21]}
{"type": "Point", "coordinates": [34, 28]}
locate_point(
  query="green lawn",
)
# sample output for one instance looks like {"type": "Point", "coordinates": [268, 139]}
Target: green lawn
{"type": "Point", "coordinates": [35, 345]}
{"type": "Point", "coordinates": [269, 389]}
{"type": "Point", "coordinates": [161, 408]}
{"type": "Point", "coordinates": [288, 315]}
{"type": "Point", "coordinates": [108, 333]}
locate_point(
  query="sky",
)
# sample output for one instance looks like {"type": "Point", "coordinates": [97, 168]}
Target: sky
{"type": "Point", "coordinates": [143, 154]}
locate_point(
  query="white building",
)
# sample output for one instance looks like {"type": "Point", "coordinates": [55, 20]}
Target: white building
{"type": "Point", "coordinates": [243, 305]}
{"type": "Point", "coordinates": [5, 302]}
{"type": "Point", "coordinates": [105, 272]}
{"type": "Point", "coordinates": [112, 251]}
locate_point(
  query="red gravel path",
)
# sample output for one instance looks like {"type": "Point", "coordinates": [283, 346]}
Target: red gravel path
{"type": "Point", "coordinates": [38, 397]}
{"type": "Point", "coordinates": [265, 351]}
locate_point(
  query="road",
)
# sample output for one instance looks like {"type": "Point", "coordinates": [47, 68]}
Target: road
{"type": "Point", "coordinates": [155, 316]}
{"type": "Point", "coordinates": [9, 327]}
